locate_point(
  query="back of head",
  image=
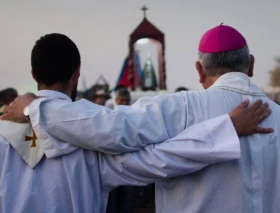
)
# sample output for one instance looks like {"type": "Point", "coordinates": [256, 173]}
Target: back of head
{"type": "Point", "coordinates": [54, 59]}
{"type": "Point", "coordinates": [223, 49]}
{"type": "Point", "coordinates": [179, 89]}
{"type": "Point", "coordinates": [8, 95]}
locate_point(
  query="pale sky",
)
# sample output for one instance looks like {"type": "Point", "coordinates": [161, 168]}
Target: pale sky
{"type": "Point", "coordinates": [101, 29]}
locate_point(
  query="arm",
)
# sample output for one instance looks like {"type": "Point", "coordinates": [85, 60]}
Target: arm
{"type": "Point", "coordinates": [150, 120]}
{"type": "Point", "coordinates": [125, 129]}
{"type": "Point", "coordinates": [196, 147]}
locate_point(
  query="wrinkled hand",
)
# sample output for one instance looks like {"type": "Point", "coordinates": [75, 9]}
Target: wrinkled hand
{"type": "Point", "coordinates": [246, 119]}
{"type": "Point", "coordinates": [14, 112]}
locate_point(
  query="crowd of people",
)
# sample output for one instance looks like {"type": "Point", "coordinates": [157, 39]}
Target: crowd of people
{"type": "Point", "coordinates": [206, 151]}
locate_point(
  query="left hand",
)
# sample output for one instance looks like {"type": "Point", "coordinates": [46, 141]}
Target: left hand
{"type": "Point", "coordinates": [14, 112]}
{"type": "Point", "coordinates": [246, 119]}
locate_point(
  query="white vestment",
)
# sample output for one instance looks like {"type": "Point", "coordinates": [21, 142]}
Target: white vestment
{"type": "Point", "coordinates": [249, 185]}
{"type": "Point", "coordinates": [70, 179]}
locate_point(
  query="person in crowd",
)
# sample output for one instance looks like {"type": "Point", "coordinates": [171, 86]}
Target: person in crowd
{"type": "Point", "coordinates": [180, 89]}
{"type": "Point", "coordinates": [6, 97]}
{"type": "Point", "coordinates": [122, 97]}
{"type": "Point", "coordinates": [100, 96]}
{"type": "Point", "coordinates": [111, 103]}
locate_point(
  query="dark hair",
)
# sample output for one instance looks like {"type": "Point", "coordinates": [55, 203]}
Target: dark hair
{"type": "Point", "coordinates": [1, 98]}
{"type": "Point", "coordinates": [179, 89]}
{"type": "Point", "coordinates": [8, 95]}
{"type": "Point", "coordinates": [122, 92]}
{"type": "Point", "coordinates": [120, 86]}
{"type": "Point", "coordinates": [54, 58]}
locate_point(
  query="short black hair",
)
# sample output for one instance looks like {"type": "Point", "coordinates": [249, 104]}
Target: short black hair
{"type": "Point", "coordinates": [54, 58]}
{"type": "Point", "coordinates": [8, 95]}
{"type": "Point", "coordinates": [122, 92]}
{"type": "Point", "coordinates": [179, 89]}
{"type": "Point", "coordinates": [120, 86]}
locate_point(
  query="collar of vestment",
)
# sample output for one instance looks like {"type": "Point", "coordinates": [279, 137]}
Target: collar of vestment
{"type": "Point", "coordinates": [237, 82]}
{"type": "Point", "coordinates": [23, 138]}
{"type": "Point", "coordinates": [53, 94]}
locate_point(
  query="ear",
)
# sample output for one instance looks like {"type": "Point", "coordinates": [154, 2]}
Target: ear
{"type": "Point", "coordinates": [252, 63]}
{"type": "Point", "coordinates": [75, 76]}
{"type": "Point", "coordinates": [33, 76]}
{"type": "Point", "coordinates": [201, 73]}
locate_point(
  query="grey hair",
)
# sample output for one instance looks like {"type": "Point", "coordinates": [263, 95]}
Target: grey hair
{"type": "Point", "coordinates": [215, 64]}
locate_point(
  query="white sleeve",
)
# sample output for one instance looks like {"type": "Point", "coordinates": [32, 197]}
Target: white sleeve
{"type": "Point", "coordinates": [196, 147]}
{"type": "Point", "coordinates": [124, 129]}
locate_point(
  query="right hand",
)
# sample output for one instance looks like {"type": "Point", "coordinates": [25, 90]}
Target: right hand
{"type": "Point", "coordinates": [246, 119]}
{"type": "Point", "coordinates": [14, 112]}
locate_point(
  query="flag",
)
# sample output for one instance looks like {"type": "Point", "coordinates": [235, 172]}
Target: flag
{"type": "Point", "coordinates": [123, 78]}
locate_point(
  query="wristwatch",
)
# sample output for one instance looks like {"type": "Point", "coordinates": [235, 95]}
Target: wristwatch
{"type": "Point", "coordinates": [26, 112]}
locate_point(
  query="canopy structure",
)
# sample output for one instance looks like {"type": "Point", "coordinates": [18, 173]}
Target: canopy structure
{"type": "Point", "coordinates": [146, 30]}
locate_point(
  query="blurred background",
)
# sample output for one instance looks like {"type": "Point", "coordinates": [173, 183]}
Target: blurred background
{"type": "Point", "coordinates": [101, 30]}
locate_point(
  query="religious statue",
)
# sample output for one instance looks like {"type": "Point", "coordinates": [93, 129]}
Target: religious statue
{"type": "Point", "coordinates": [148, 78]}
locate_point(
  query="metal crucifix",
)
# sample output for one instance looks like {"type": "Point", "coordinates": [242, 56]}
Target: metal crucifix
{"type": "Point", "coordinates": [144, 8]}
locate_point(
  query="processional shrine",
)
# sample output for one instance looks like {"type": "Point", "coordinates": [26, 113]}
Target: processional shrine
{"type": "Point", "coordinates": [148, 31]}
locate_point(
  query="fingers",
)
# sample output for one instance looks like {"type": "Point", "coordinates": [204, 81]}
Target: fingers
{"type": "Point", "coordinates": [264, 130]}
{"type": "Point", "coordinates": [261, 109]}
{"type": "Point", "coordinates": [3, 117]}
{"type": "Point", "coordinates": [255, 105]}
{"type": "Point", "coordinates": [6, 112]}
{"type": "Point", "coordinates": [6, 109]}
{"type": "Point", "coordinates": [11, 104]}
{"type": "Point", "coordinates": [244, 104]}
{"type": "Point", "coordinates": [264, 115]}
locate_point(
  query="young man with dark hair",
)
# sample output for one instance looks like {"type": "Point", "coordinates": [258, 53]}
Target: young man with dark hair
{"type": "Point", "coordinates": [56, 59]}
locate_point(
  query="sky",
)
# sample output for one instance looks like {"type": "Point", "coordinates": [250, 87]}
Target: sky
{"type": "Point", "coordinates": [101, 30]}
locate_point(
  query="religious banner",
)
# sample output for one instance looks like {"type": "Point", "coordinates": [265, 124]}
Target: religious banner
{"type": "Point", "coordinates": [23, 139]}
{"type": "Point", "coordinates": [123, 79]}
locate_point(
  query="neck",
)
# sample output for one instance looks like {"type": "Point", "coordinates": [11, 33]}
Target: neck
{"type": "Point", "coordinates": [214, 78]}
{"type": "Point", "coordinates": [209, 81]}
{"type": "Point", "coordinates": [56, 87]}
